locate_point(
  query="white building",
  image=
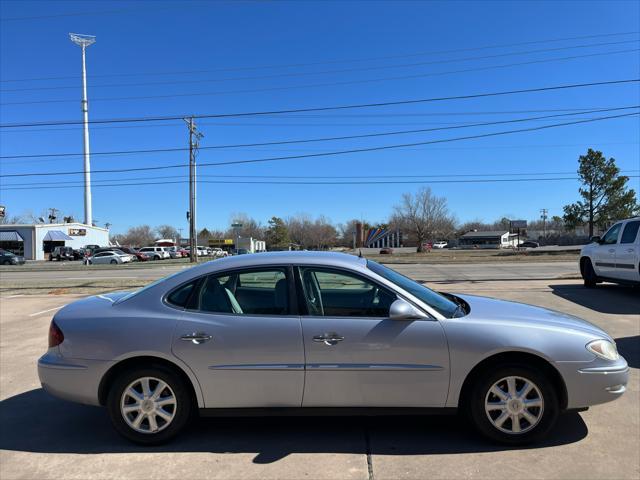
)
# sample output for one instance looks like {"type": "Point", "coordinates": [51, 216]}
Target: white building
{"type": "Point", "coordinates": [35, 241]}
{"type": "Point", "coordinates": [251, 245]}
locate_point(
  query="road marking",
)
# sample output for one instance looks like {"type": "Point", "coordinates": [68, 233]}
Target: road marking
{"type": "Point", "coordinates": [45, 311]}
{"type": "Point", "coordinates": [15, 296]}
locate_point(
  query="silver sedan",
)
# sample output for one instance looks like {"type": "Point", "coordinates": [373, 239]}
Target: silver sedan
{"type": "Point", "coordinates": [312, 333]}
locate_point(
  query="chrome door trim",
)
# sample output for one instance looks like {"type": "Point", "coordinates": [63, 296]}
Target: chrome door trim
{"type": "Point", "coordinates": [373, 366]}
{"type": "Point", "coordinates": [266, 366]}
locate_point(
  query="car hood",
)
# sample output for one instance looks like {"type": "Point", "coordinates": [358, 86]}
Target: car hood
{"type": "Point", "coordinates": [507, 312]}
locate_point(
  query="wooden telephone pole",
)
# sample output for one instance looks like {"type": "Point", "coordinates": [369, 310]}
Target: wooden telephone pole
{"type": "Point", "coordinates": [194, 143]}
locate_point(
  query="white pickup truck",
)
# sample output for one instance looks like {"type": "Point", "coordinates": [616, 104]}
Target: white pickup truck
{"type": "Point", "coordinates": [615, 257]}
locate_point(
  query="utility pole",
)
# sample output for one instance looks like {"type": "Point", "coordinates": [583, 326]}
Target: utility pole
{"type": "Point", "coordinates": [194, 142]}
{"type": "Point", "coordinates": [84, 41]}
{"type": "Point", "coordinates": [544, 213]}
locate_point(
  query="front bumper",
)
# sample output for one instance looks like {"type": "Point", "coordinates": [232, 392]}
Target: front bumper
{"type": "Point", "coordinates": [593, 383]}
{"type": "Point", "coordinates": [71, 379]}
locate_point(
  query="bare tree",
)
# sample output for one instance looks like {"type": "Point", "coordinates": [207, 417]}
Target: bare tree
{"type": "Point", "coordinates": [299, 227]}
{"type": "Point", "coordinates": [141, 236]}
{"type": "Point", "coordinates": [424, 215]}
{"type": "Point", "coordinates": [167, 231]}
{"type": "Point", "coordinates": [322, 234]}
{"type": "Point", "coordinates": [250, 227]}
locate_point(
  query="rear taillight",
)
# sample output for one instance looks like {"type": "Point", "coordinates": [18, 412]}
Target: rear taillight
{"type": "Point", "coordinates": [56, 337]}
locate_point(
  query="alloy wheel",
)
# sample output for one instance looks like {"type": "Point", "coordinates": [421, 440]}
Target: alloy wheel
{"type": "Point", "coordinates": [148, 405]}
{"type": "Point", "coordinates": [514, 405]}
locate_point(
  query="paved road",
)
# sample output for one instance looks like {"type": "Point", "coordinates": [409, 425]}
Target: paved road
{"type": "Point", "coordinates": [42, 437]}
{"type": "Point", "coordinates": [422, 272]}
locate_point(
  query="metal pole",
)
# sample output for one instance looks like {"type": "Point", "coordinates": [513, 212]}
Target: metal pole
{"type": "Point", "coordinates": [88, 216]}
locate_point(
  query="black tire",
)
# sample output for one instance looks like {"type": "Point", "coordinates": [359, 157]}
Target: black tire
{"type": "Point", "coordinates": [480, 418]}
{"type": "Point", "coordinates": [6, 262]}
{"type": "Point", "coordinates": [183, 407]}
{"type": "Point", "coordinates": [113, 262]}
{"type": "Point", "coordinates": [156, 257]}
{"type": "Point", "coordinates": [588, 274]}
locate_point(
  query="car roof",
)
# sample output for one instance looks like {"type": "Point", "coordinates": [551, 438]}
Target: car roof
{"type": "Point", "coordinates": [329, 259]}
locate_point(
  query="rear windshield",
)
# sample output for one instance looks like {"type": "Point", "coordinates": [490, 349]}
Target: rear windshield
{"type": "Point", "coordinates": [435, 300]}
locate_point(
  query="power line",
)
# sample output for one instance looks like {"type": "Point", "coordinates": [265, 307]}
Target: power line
{"type": "Point", "coordinates": [325, 72]}
{"type": "Point", "coordinates": [381, 182]}
{"type": "Point", "coordinates": [329, 62]}
{"type": "Point", "coordinates": [303, 177]}
{"type": "Point", "coordinates": [316, 85]}
{"type": "Point", "coordinates": [324, 109]}
{"type": "Point", "coordinates": [332, 124]}
{"type": "Point", "coordinates": [326, 154]}
{"type": "Point", "coordinates": [322, 139]}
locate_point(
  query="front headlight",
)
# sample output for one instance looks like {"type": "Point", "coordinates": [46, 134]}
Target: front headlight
{"type": "Point", "coordinates": [603, 349]}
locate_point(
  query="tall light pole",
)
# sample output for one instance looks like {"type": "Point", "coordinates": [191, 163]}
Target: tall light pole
{"type": "Point", "coordinates": [84, 41]}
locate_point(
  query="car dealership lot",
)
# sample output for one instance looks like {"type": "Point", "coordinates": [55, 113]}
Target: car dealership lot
{"type": "Point", "coordinates": [42, 437]}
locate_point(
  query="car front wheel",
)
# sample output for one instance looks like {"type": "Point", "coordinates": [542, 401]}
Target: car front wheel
{"type": "Point", "coordinates": [514, 405]}
{"type": "Point", "coordinates": [149, 405]}
{"type": "Point", "coordinates": [588, 274]}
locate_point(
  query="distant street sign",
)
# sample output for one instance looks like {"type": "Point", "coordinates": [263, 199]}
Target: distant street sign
{"type": "Point", "coordinates": [236, 225]}
{"type": "Point", "coordinates": [518, 224]}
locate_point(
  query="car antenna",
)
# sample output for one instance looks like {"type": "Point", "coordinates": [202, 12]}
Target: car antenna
{"type": "Point", "coordinates": [360, 253]}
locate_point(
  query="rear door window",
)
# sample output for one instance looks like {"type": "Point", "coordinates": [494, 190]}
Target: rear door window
{"type": "Point", "coordinates": [245, 292]}
{"type": "Point", "coordinates": [630, 232]}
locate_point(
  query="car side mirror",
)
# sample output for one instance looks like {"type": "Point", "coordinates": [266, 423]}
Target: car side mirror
{"type": "Point", "coordinates": [595, 239]}
{"type": "Point", "coordinates": [403, 310]}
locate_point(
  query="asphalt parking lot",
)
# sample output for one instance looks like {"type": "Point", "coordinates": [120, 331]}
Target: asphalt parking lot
{"type": "Point", "coordinates": [41, 437]}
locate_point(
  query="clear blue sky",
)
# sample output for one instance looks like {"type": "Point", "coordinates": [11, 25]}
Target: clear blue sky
{"type": "Point", "coordinates": [230, 39]}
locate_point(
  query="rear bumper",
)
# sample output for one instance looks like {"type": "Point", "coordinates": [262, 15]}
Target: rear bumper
{"type": "Point", "coordinates": [594, 383]}
{"type": "Point", "coordinates": [71, 379]}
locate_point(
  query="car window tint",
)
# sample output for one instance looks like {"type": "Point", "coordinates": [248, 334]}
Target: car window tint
{"type": "Point", "coordinates": [630, 232]}
{"type": "Point", "coordinates": [343, 294]}
{"type": "Point", "coordinates": [611, 236]}
{"type": "Point", "coordinates": [254, 292]}
{"type": "Point", "coordinates": [180, 296]}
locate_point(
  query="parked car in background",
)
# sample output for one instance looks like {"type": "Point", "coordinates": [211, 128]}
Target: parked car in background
{"type": "Point", "coordinates": [61, 253]}
{"type": "Point", "coordinates": [10, 258]}
{"type": "Point", "coordinates": [386, 251]}
{"type": "Point", "coordinates": [109, 257]}
{"type": "Point", "coordinates": [137, 255]}
{"type": "Point", "coordinates": [155, 253]}
{"type": "Point", "coordinates": [615, 257]}
{"type": "Point", "coordinates": [529, 244]}
{"type": "Point", "coordinates": [175, 252]}
{"type": "Point", "coordinates": [359, 335]}
{"type": "Point", "coordinates": [79, 253]}
{"type": "Point", "coordinates": [218, 252]}
{"type": "Point", "coordinates": [440, 244]}
{"type": "Point", "coordinates": [172, 251]}
{"type": "Point", "coordinates": [239, 251]}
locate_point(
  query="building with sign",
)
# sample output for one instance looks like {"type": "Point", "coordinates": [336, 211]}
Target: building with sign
{"type": "Point", "coordinates": [36, 241]}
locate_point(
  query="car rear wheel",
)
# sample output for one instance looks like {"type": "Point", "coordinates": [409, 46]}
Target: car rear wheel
{"type": "Point", "coordinates": [149, 405]}
{"type": "Point", "coordinates": [513, 404]}
{"type": "Point", "coordinates": [588, 274]}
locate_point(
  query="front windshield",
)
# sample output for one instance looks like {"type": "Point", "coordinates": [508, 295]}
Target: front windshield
{"type": "Point", "coordinates": [435, 300]}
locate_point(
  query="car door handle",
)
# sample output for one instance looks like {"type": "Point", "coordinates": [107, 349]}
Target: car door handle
{"type": "Point", "coordinates": [630, 250]}
{"type": "Point", "coordinates": [611, 250]}
{"type": "Point", "coordinates": [196, 337]}
{"type": "Point", "coordinates": [328, 338]}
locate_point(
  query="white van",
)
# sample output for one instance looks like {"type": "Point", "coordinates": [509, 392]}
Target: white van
{"type": "Point", "coordinates": [615, 257]}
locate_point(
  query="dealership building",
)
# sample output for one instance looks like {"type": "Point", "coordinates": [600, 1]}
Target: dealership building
{"type": "Point", "coordinates": [35, 241]}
